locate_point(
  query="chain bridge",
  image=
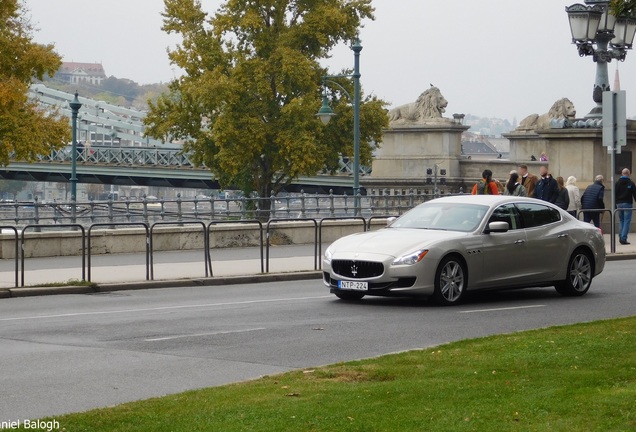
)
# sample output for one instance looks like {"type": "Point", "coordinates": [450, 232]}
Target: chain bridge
{"type": "Point", "coordinates": [113, 149]}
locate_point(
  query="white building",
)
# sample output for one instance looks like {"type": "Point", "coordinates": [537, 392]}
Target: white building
{"type": "Point", "coordinates": [75, 73]}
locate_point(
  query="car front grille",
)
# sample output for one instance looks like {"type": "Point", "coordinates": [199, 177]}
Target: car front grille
{"type": "Point", "coordinates": [357, 269]}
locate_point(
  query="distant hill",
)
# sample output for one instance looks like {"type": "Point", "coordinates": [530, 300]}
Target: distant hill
{"type": "Point", "coordinates": [493, 127]}
{"type": "Point", "coordinates": [117, 91]}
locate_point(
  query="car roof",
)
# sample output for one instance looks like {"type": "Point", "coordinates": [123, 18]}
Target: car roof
{"type": "Point", "coordinates": [488, 200]}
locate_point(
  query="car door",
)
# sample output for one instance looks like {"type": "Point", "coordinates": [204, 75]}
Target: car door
{"type": "Point", "coordinates": [503, 253]}
{"type": "Point", "coordinates": [548, 244]}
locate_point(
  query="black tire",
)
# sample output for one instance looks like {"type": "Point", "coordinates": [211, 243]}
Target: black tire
{"type": "Point", "coordinates": [349, 295]}
{"type": "Point", "coordinates": [451, 281]}
{"type": "Point", "coordinates": [579, 275]}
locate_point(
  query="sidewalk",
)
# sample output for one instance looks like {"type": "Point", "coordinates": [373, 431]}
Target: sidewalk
{"type": "Point", "coordinates": [186, 265]}
{"type": "Point", "coordinates": [175, 265]}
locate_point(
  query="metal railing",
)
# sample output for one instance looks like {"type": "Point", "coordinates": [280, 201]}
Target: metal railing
{"type": "Point", "coordinates": [150, 210]}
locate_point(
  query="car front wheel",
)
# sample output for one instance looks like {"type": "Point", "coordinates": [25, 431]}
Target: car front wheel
{"type": "Point", "coordinates": [579, 275]}
{"type": "Point", "coordinates": [349, 295]}
{"type": "Point", "coordinates": [450, 281]}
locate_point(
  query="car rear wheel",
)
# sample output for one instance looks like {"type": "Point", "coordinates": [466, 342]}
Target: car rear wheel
{"type": "Point", "coordinates": [450, 281]}
{"type": "Point", "coordinates": [349, 295]}
{"type": "Point", "coordinates": [579, 275]}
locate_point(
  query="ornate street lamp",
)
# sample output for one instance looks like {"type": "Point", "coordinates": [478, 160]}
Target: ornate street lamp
{"type": "Point", "coordinates": [593, 24]}
{"type": "Point", "coordinates": [75, 106]}
{"type": "Point", "coordinates": [325, 113]}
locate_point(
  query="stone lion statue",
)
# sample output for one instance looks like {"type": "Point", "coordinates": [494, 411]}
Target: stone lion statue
{"type": "Point", "coordinates": [561, 109]}
{"type": "Point", "coordinates": [429, 105]}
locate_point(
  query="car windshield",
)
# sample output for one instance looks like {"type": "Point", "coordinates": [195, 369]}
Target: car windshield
{"type": "Point", "coordinates": [443, 216]}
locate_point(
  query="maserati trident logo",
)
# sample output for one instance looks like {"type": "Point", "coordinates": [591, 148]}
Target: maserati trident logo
{"type": "Point", "coordinates": [354, 269]}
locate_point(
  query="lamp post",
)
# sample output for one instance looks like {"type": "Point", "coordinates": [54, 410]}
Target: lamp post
{"type": "Point", "coordinates": [325, 113]}
{"type": "Point", "coordinates": [75, 106]}
{"type": "Point", "coordinates": [592, 24]}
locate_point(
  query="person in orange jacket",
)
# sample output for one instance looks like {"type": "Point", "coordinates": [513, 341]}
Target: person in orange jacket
{"type": "Point", "coordinates": [486, 186]}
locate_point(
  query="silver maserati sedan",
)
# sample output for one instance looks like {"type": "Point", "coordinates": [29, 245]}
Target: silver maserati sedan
{"type": "Point", "coordinates": [449, 246]}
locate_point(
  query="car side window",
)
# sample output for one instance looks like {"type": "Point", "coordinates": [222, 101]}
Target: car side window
{"type": "Point", "coordinates": [536, 215]}
{"type": "Point", "coordinates": [506, 213]}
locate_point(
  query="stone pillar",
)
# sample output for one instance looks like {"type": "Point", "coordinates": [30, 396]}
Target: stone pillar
{"type": "Point", "coordinates": [408, 150]}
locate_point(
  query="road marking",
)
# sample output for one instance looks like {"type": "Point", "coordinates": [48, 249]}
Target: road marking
{"type": "Point", "coordinates": [192, 306]}
{"type": "Point", "coordinates": [203, 334]}
{"type": "Point", "coordinates": [502, 309]}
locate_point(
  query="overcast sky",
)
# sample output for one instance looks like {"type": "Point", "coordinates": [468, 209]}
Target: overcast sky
{"type": "Point", "coordinates": [491, 58]}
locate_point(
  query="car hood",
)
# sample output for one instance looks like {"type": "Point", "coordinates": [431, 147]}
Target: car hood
{"type": "Point", "coordinates": [391, 241]}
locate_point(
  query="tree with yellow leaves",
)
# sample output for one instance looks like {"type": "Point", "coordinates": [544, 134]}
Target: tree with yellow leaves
{"type": "Point", "coordinates": [247, 102]}
{"type": "Point", "coordinates": [25, 130]}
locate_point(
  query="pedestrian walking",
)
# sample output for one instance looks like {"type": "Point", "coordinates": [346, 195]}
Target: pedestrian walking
{"type": "Point", "coordinates": [563, 196]}
{"type": "Point", "coordinates": [574, 195]}
{"type": "Point", "coordinates": [592, 199]}
{"type": "Point", "coordinates": [486, 186]}
{"type": "Point", "coordinates": [528, 180]}
{"type": "Point", "coordinates": [547, 188]}
{"type": "Point", "coordinates": [625, 191]}
{"type": "Point", "coordinates": [513, 187]}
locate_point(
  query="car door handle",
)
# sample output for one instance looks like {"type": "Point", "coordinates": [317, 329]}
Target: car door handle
{"type": "Point", "coordinates": [563, 235]}
{"type": "Point", "coordinates": [520, 241]}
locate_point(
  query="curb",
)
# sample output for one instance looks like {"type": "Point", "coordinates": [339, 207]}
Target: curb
{"type": "Point", "coordinates": [177, 283]}
{"type": "Point", "coordinates": [620, 256]}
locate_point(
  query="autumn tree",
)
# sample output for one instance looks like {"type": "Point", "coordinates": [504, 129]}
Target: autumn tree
{"type": "Point", "coordinates": [26, 131]}
{"type": "Point", "coordinates": [623, 7]}
{"type": "Point", "coordinates": [246, 104]}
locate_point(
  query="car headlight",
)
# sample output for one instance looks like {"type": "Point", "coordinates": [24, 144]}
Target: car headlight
{"type": "Point", "coordinates": [412, 258]}
{"type": "Point", "coordinates": [328, 254]}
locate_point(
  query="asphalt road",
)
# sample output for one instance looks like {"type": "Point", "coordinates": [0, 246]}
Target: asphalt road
{"type": "Point", "coordinates": [62, 354]}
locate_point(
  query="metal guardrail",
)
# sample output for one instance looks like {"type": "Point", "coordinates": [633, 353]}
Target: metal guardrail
{"type": "Point", "coordinates": [180, 223]}
{"type": "Point", "coordinates": [274, 221]}
{"type": "Point", "coordinates": [247, 221]}
{"type": "Point", "coordinates": [72, 226]}
{"type": "Point", "coordinates": [150, 210]}
{"type": "Point", "coordinates": [113, 225]}
{"type": "Point", "coordinates": [17, 255]}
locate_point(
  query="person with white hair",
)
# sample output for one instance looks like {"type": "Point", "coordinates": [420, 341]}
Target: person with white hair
{"type": "Point", "coordinates": [592, 199]}
{"type": "Point", "coordinates": [575, 196]}
{"type": "Point", "coordinates": [625, 191]}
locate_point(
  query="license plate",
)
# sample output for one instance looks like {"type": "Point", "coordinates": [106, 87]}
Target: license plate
{"type": "Point", "coordinates": [353, 285]}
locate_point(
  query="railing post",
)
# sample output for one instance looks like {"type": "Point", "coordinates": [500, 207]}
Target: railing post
{"type": "Point", "coordinates": [302, 203]}
{"type": "Point", "coordinates": [36, 212]}
{"type": "Point", "coordinates": [358, 203]}
{"type": "Point", "coordinates": [243, 208]}
{"type": "Point", "coordinates": [332, 208]}
{"type": "Point", "coordinates": [346, 205]}
{"type": "Point", "coordinates": [196, 207]}
{"type": "Point", "coordinates": [127, 204]}
{"type": "Point", "coordinates": [386, 201]}
{"type": "Point", "coordinates": [272, 206]}
{"type": "Point", "coordinates": [110, 210]}
{"type": "Point", "coordinates": [91, 204]}
{"type": "Point", "coordinates": [179, 214]}
{"type": "Point", "coordinates": [144, 203]}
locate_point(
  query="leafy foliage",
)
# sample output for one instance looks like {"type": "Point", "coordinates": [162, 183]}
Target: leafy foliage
{"type": "Point", "coordinates": [246, 104]}
{"type": "Point", "coordinates": [25, 130]}
{"type": "Point", "coordinates": [623, 7]}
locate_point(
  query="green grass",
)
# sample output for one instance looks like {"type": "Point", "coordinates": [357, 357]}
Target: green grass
{"type": "Point", "coordinates": [573, 378]}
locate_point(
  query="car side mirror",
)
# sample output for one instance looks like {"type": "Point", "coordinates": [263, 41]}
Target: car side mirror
{"type": "Point", "coordinates": [390, 220]}
{"type": "Point", "coordinates": [498, 227]}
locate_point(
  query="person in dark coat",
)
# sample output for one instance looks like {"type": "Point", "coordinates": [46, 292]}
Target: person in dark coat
{"type": "Point", "coordinates": [592, 199]}
{"type": "Point", "coordinates": [563, 198]}
{"type": "Point", "coordinates": [625, 190]}
{"type": "Point", "coordinates": [547, 188]}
